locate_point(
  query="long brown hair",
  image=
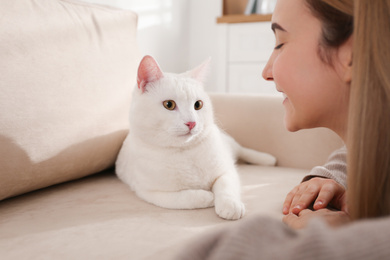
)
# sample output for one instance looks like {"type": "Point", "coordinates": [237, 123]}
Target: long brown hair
{"type": "Point", "coordinates": [369, 117]}
{"type": "Point", "coordinates": [369, 109]}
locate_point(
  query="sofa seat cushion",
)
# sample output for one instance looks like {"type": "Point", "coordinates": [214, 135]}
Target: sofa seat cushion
{"type": "Point", "coordinates": [99, 217]}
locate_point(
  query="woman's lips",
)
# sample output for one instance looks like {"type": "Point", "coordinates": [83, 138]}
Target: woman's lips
{"type": "Point", "coordinates": [285, 98]}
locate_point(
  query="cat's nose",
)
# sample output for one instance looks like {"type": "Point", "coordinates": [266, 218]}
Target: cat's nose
{"type": "Point", "coordinates": [191, 125]}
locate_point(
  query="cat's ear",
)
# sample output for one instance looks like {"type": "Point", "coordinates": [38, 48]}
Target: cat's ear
{"type": "Point", "coordinates": [148, 71]}
{"type": "Point", "coordinates": [200, 73]}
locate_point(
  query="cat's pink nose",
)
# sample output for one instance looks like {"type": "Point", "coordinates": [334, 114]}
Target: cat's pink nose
{"type": "Point", "coordinates": [191, 125]}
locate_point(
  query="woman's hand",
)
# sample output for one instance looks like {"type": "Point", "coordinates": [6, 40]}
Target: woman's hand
{"type": "Point", "coordinates": [320, 191]}
{"type": "Point", "coordinates": [333, 218]}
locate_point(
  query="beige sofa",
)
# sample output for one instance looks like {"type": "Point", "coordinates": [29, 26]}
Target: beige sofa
{"type": "Point", "coordinates": [66, 74]}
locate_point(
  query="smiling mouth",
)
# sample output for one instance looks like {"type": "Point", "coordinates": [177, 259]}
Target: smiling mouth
{"type": "Point", "coordinates": [284, 95]}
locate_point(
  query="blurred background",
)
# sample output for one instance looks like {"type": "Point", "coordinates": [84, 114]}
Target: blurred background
{"type": "Point", "coordinates": [181, 34]}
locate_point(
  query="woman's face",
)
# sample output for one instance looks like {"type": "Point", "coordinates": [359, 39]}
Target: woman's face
{"type": "Point", "coordinates": [316, 93]}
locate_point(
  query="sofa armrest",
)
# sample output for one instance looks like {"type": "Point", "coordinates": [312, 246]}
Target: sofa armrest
{"type": "Point", "coordinates": [257, 122]}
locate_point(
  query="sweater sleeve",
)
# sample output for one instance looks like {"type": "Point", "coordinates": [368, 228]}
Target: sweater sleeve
{"type": "Point", "coordinates": [335, 168]}
{"type": "Point", "coordinates": [264, 238]}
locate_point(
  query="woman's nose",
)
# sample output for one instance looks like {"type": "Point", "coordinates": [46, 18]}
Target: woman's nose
{"type": "Point", "coordinates": [267, 71]}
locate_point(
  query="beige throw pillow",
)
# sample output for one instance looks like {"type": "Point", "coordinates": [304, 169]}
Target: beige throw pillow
{"type": "Point", "coordinates": [66, 74]}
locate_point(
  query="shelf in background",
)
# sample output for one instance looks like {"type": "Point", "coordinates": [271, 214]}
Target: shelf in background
{"type": "Point", "coordinates": [241, 18]}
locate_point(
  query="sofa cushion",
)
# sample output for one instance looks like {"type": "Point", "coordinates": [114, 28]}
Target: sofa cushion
{"type": "Point", "coordinates": [66, 73]}
{"type": "Point", "coordinates": [99, 217]}
{"type": "Point", "coordinates": [256, 121]}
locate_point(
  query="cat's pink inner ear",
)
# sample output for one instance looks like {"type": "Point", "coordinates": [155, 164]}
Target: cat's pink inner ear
{"type": "Point", "coordinates": [200, 72]}
{"type": "Point", "coordinates": [148, 71]}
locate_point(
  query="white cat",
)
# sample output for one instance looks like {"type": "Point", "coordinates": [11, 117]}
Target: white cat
{"type": "Point", "coordinates": [175, 156]}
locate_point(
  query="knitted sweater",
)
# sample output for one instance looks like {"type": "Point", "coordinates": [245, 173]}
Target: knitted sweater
{"type": "Point", "coordinates": [335, 168]}
{"type": "Point", "coordinates": [260, 237]}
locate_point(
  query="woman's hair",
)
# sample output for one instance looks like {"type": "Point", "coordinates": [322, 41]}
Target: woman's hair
{"type": "Point", "coordinates": [369, 108]}
{"type": "Point", "coordinates": [369, 117]}
{"type": "Point", "coordinates": [337, 25]}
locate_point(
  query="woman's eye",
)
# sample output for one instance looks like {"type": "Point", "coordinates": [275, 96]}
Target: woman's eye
{"type": "Point", "coordinates": [279, 46]}
{"type": "Point", "coordinates": [169, 104]}
{"type": "Point", "coordinates": [198, 105]}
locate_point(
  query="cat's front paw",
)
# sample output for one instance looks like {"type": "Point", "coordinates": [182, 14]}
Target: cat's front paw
{"type": "Point", "coordinates": [229, 208]}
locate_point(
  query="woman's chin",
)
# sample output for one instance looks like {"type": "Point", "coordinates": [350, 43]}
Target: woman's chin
{"type": "Point", "coordinates": [289, 125]}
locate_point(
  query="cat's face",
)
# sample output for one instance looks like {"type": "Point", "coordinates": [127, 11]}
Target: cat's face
{"type": "Point", "coordinates": [171, 110]}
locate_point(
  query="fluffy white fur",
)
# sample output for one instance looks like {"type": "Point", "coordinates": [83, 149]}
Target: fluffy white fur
{"type": "Point", "coordinates": [172, 165]}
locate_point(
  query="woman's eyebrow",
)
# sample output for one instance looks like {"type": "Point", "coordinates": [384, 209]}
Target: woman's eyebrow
{"type": "Point", "coordinates": [276, 26]}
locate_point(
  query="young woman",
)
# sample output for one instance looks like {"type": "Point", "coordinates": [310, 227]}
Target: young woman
{"type": "Point", "coordinates": [312, 66]}
{"type": "Point", "coordinates": [332, 63]}
{"type": "Point", "coordinates": [367, 138]}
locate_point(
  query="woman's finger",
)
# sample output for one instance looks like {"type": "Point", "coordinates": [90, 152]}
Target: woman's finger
{"type": "Point", "coordinates": [325, 195]}
{"type": "Point", "coordinates": [296, 198]}
{"type": "Point", "coordinates": [333, 194]}
{"type": "Point", "coordinates": [288, 200]}
{"type": "Point", "coordinates": [307, 198]}
{"type": "Point", "coordinates": [289, 219]}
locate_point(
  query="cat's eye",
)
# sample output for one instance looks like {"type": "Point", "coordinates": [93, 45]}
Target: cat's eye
{"type": "Point", "coordinates": [169, 104]}
{"type": "Point", "coordinates": [198, 105]}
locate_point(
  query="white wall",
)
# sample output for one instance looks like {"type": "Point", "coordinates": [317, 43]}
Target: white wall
{"type": "Point", "coordinates": [204, 38]}
{"type": "Point", "coordinates": [162, 29]}
{"type": "Point", "coordinates": [180, 34]}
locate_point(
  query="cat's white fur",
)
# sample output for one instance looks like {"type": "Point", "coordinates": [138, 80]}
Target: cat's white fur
{"type": "Point", "coordinates": [172, 166]}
